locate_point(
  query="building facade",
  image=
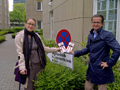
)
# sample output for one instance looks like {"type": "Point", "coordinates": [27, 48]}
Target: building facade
{"type": "Point", "coordinates": [75, 16]}
{"type": "Point", "coordinates": [19, 1]}
{"type": "Point", "coordinates": [34, 10]}
{"type": "Point", "coordinates": [4, 14]}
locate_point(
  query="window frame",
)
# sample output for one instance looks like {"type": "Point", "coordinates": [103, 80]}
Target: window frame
{"type": "Point", "coordinates": [37, 5]}
{"type": "Point", "coordinates": [118, 18]}
{"type": "Point", "coordinates": [41, 24]}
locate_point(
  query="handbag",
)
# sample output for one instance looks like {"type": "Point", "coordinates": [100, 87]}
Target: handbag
{"type": "Point", "coordinates": [19, 77]}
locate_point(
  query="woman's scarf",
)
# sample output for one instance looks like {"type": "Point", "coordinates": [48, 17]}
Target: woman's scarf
{"type": "Point", "coordinates": [26, 49]}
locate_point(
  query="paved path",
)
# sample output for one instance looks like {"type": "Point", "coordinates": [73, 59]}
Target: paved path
{"type": "Point", "coordinates": [8, 58]}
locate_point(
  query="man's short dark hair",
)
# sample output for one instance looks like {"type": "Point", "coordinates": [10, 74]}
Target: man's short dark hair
{"type": "Point", "coordinates": [98, 15]}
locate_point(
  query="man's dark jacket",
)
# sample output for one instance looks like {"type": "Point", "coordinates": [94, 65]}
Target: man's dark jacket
{"type": "Point", "coordinates": [99, 49]}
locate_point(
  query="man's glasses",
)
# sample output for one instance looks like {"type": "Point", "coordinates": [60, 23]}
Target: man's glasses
{"type": "Point", "coordinates": [96, 22]}
{"type": "Point", "coordinates": [31, 24]}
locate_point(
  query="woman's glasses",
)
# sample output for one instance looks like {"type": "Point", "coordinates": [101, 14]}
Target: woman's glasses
{"type": "Point", "coordinates": [31, 24]}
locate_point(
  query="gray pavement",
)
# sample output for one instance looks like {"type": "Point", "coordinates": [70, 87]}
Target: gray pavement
{"type": "Point", "coordinates": [8, 58]}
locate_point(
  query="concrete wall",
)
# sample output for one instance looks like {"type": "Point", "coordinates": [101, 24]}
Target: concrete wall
{"type": "Point", "coordinates": [4, 14]}
{"type": "Point", "coordinates": [31, 10]}
{"type": "Point", "coordinates": [73, 15]}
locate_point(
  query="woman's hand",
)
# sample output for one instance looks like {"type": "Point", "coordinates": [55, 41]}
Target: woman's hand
{"type": "Point", "coordinates": [24, 71]}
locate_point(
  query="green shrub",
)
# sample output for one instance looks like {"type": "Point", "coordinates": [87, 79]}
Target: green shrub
{"type": "Point", "coordinates": [42, 37]}
{"type": "Point", "coordinates": [115, 85]}
{"type": "Point", "coordinates": [36, 31]}
{"type": "Point", "coordinates": [17, 29]}
{"type": "Point", "coordinates": [80, 70]}
{"type": "Point", "coordinates": [10, 30]}
{"type": "Point", "coordinates": [57, 77]}
{"type": "Point", "coordinates": [41, 32]}
{"type": "Point", "coordinates": [13, 35]}
{"type": "Point", "coordinates": [49, 42]}
{"type": "Point", "coordinates": [2, 38]}
{"type": "Point", "coordinates": [3, 32]}
{"type": "Point", "coordinates": [7, 29]}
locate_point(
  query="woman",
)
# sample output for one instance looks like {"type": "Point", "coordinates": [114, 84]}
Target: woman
{"type": "Point", "coordinates": [31, 53]}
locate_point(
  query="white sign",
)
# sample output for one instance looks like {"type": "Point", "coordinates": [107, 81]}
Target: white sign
{"type": "Point", "coordinates": [66, 59]}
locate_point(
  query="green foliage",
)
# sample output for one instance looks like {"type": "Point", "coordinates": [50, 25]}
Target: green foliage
{"type": "Point", "coordinates": [49, 43]}
{"type": "Point", "coordinates": [19, 6]}
{"type": "Point", "coordinates": [42, 37]}
{"type": "Point", "coordinates": [41, 32]}
{"type": "Point", "coordinates": [10, 30]}
{"type": "Point", "coordinates": [57, 77]}
{"type": "Point", "coordinates": [36, 31]}
{"type": "Point", "coordinates": [80, 69]}
{"type": "Point", "coordinates": [11, 15]}
{"type": "Point", "coordinates": [3, 32]}
{"type": "Point", "coordinates": [13, 35]}
{"type": "Point", "coordinates": [111, 51]}
{"type": "Point", "coordinates": [17, 29]}
{"type": "Point", "coordinates": [2, 38]}
{"type": "Point", "coordinates": [7, 29]}
{"type": "Point", "coordinates": [18, 14]}
{"type": "Point", "coordinates": [24, 15]}
{"type": "Point", "coordinates": [15, 16]}
{"type": "Point", "coordinates": [115, 85]}
{"type": "Point", "coordinates": [87, 55]}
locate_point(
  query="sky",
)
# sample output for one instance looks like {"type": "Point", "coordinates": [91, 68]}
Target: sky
{"type": "Point", "coordinates": [10, 5]}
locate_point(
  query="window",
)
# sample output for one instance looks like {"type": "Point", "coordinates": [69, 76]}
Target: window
{"type": "Point", "coordinates": [108, 8]}
{"type": "Point", "coordinates": [39, 25]}
{"type": "Point", "coordinates": [39, 6]}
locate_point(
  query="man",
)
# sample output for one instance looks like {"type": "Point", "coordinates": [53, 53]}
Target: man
{"type": "Point", "coordinates": [100, 65]}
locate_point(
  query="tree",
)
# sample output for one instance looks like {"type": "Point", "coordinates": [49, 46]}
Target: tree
{"type": "Point", "coordinates": [24, 15]}
{"type": "Point", "coordinates": [22, 8]}
{"type": "Point", "coordinates": [15, 16]}
{"type": "Point", "coordinates": [18, 14]}
{"type": "Point", "coordinates": [19, 6]}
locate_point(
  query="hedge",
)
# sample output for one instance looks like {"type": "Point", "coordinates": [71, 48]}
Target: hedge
{"type": "Point", "coordinates": [57, 77]}
{"type": "Point", "coordinates": [41, 32]}
{"type": "Point", "coordinates": [49, 42]}
{"type": "Point", "coordinates": [9, 30]}
{"type": "Point", "coordinates": [115, 85]}
{"type": "Point", "coordinates": [3, 32]}
{"type": "Point", "coordinates": [17, 29]}
{"type": "Point", "coordinates": [2, 38]}
{"type": "Point", "coordinates": [13, 35]}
